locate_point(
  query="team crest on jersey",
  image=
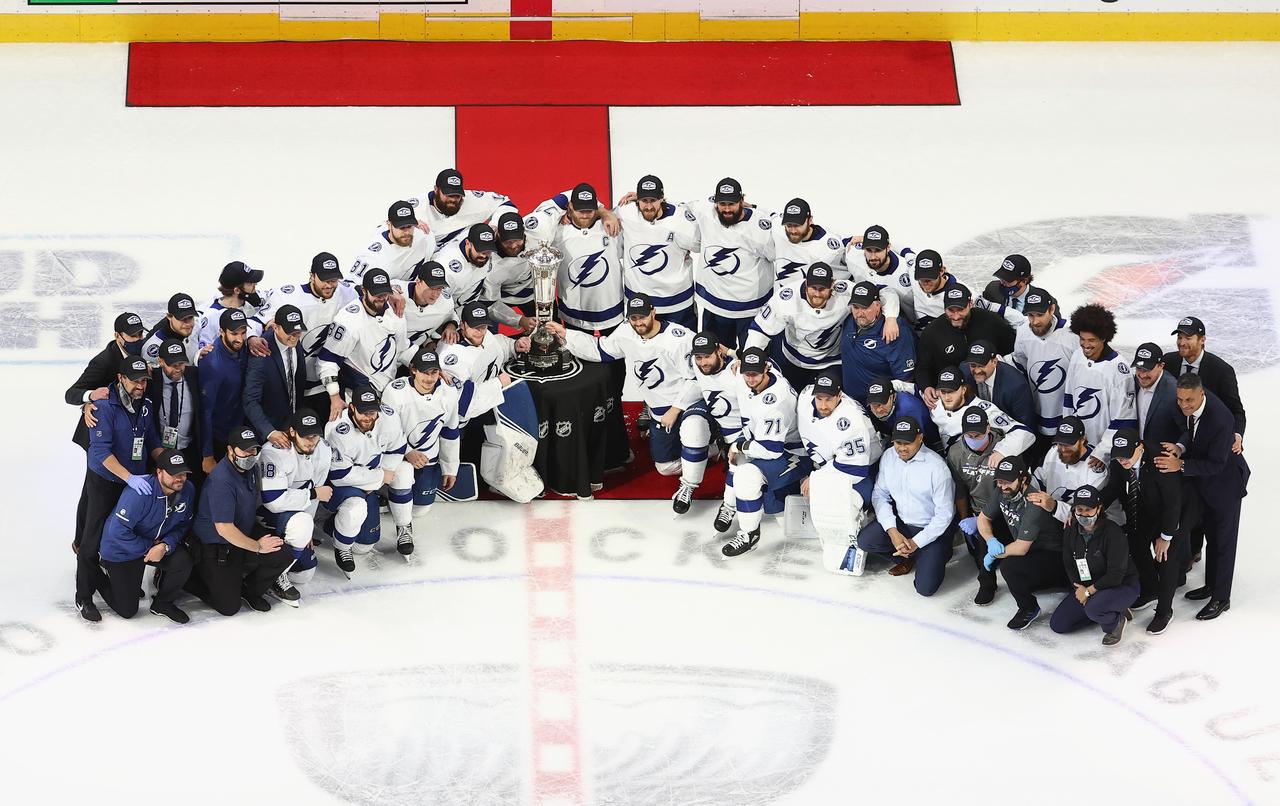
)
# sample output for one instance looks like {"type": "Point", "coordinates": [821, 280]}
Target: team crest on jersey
{"type": "Point", "coordinates": [904, 281]}
{"type": "Point", "coordinates": [1122, 368]}
{"type": "Point", "coordinates": [842, 287]}
{"type": "Point", "coordinates": [531, 222]}
{"type": "Point", "coordinates": [450, 359]}
{"type": "Point", "coordinates": [399, 383]}
{"type": "Point", "coordinates": [843, 424]}
{"type": "Point", "coordinates": [766, 224]}
{"type": "Point", "coordinates": [353, 308]}
{"type": "Point", "coordinates": [455, 265]}
{"type": "Point", "coordinates": [375, 247]}
{"type": "Point", "coordinates": [479, 194]}
{"type": "Point", "coordinates": [833, 243]}
{"type": "Point", "coordinates": [688, 214]}
{"type": "Point", "coordinates": [770, 398]}
{"type": "Point", "coordinates": [343, 428]}
{"type": "Point", "coordinates": [564, 428]}
{"type": "Point", "coordinates": [286, 289]}
{"type": "Point", "coordinates": [153, 350]}
{"type": "Point", "coordinates": [786, 293]}
{"type": "Point", "coordinates": [589, 271]}
{"type": "Point", "coordinates": [677, 331]}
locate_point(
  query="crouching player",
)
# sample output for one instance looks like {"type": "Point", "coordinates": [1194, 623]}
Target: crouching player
{"type": "Point", "coordinates": [294, 484]}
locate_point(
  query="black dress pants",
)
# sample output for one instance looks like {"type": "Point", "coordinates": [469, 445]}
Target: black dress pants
{"type": "Point", "coordinates": [120, 583]}
{"type": "Point", "coordinates": [100, 499]}
{"type": "Point", "coordinates": [225, 573]}
{"type": "Point", "coordinates": [1025, 574]}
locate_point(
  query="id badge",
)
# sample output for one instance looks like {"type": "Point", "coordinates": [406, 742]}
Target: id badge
{"type": "Point", "coordinates": [170, 437]}
{"type": "Point", "coordinates": [1082, 565]}
{"type": "Point", "coordinates": [137, 449]}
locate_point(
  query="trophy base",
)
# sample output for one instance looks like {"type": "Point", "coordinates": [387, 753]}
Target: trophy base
{"type": "Point", "coordinates": [535, 366]}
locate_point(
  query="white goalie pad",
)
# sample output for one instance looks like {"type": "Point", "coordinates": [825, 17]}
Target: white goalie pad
{"type": "Point", "coordinates": [506, 462]}
{"type": "Point", "coordinates": [834, 515]}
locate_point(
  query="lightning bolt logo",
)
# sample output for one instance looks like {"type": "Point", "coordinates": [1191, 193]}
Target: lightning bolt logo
{"type": "Point", "coordinates": [1088, 404]}
{"type": "Point", "coordinates": [1049, 376]}
{"type": "Point", "coordinates": [591, 272]}
{"type": "Point", "coordinates": [650, 374]}
{"type": "Point", "coordinates": [788, 269]}
{"type": "Point", "coordinates": [717, 259]}
{"type": "Point", "coordinates": [644, 258]}
{"type": "Point", "coordinates": [718, 404]}
{"type": "Point", "coordinates": [382, 358]}
{"type": "Point", "coordinates": [427, 432]}
{"type": "Point", "coordinates": [822, 339]}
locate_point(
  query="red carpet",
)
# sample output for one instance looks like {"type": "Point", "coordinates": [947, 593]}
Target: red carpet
{"type": "Point", "coordinates": [541, 73]}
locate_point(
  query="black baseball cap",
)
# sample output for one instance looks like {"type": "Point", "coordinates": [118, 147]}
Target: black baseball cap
{"type": "Point", "coordinates": [130, 324]}
{"type": "Point", "coordinates": [232, 319]}
{"type": "Point", "coordinates": [980, 352]}
{"type": "Point", "coordinates": [432, 274]}
{"type": "Point", "coordinates": [649, 187]}
{"type": "Point", "coordinates": [974, 420]}
{"type": "Point", "coordinates": [476, 315]}
{"type": "Point", "coordinates": [306, 423]}
{"type": "Point", "coordinates": [325, 266]}
{"type": "Point", "coordinates": [1148, 356]}
{"type": "Point", "coordinates": [949, 380]}
{"type": "Point", "coordinates": [818, 275]}
{"type": "Point", "coordinates": [1070, 431]}
{"type": "Point", "coordinates": [905, 429]}
{"type": "Point", "coordinates": [728, 190]}
{"type": "Point", "coordinates": [172, 462]}
{"type": "Point", "coordinates": [365, 399]}
{"type": "Point", "coordinates": [928, 265]}
{"type": "Point", "coordinates": [876, 237]}
{"type": "Point", "coordinates": [173, 351]}
{"type": "Point", "coordinates": [400, 215]}
{"type": "Point", "coordinates": [243, 438]}
{"type": "Point", "coordinates": [449, 181]}
{"type": "Point", "coordinates": [1014, 267]}
{"type": "Point", "coordinates": [705, 343]}
{"type": "Point", "coordinates": [863, 294]}
{"type": "Point", "coordinates": [237, 272]}
{"type": "Point", "coordinates": [828, 382]}
{"type": "Point", "coordinates": [425, 360]}
{"type": "Point", "coordinates": [482, 238]}
{"type": "Point", "coordinates": [135, 369]}
{"type": "Point", "coordinates": [880, 390]}
{"type": "Point", "coordinates": [1011, 468]}
{"type": "Point", "coordinates": [1189, 326]}
{"type": "Point", "coordinates": [639, 305]}
{"type": "Point", "coordinates": [510, 227]}
{"type": "Point", "coordinates": [957, 296]}
{"type": "Point", "coordinates": [1124, 443]}
{"type": "Point", "coordinates": [1087, 496]}
{"type": "Point", "coordinates": [796, 212]}
{"type": "Point", "coordinates": [583, 197]}
{"type": "Point", "coordinates": [376, 282]}
{"type": "Point", "coordinates": [290, 318]}
{"type": "Point", "coordinates": [753, 360]}
{"type": "Point", "coordinates": [1038, 301]}
{"type": "Point", "coordinates": [182, 306]}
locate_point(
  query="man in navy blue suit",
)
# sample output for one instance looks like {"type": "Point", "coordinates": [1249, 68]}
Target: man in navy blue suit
{"type": "Point", "coordinates": [273, 384]}
{"type": "Point", "coordinates": [1001, 383]}
{"type": "Point", "coordinates": [1218, 481]}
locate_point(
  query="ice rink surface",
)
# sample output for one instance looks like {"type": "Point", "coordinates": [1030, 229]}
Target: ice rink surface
{"type": "Point", "coordinates": [604, 652]}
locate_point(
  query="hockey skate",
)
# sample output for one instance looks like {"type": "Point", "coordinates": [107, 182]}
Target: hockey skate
{"type": "Point", "coordinates": [742, 543]}
{"type": "Point", "coordinates": [682, 499]}
{"type": "Point", "coordinates": [724, 518]}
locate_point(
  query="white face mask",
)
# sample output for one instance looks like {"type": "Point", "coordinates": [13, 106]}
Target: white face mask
{"type": "Point", "coordinates": [244, 462]}
{"type": "Point", "coordinates": [1087, 522]}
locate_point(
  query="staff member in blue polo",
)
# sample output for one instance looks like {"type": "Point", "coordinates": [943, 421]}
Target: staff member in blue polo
{"type": "Point", "coordinates": [1095, 551]}
{"type": "Point", "coordinates": [148, 530]}
{"type": "Point", "coordinates": [239, 560]}
{"type": "Point", "coordinates": [119, 445]}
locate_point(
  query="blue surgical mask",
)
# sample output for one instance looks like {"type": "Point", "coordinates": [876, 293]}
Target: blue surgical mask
{"type": "Point", "coordinates": [133, 347]}
{"type": "Point", "coordinates": [977, 444]}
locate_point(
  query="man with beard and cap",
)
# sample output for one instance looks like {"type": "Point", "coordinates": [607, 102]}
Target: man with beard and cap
{"type": "Point", "coordinates": [237, 288]}
{"type": "Point", "coordinates": [120, 443]}
{"type": "Point", "coordinates": [1095, 555]}
{"type": "Point", "coordinates": [450, 208]}
{"type": "Point", "coordinates": [1042, 348]}
{"type": "Point", "coordinates": [1219, 377]}
{"type": "Point", "coordinates": [508, 285]}
{"type": "Point", "coordinates": [1007, 294]}
{"type": "Point", "coordinates": [929, 292]}
{"type": "Point", "coordinates": [888, 400]}
{"type": "Point", "coordinates": [295, 483]}
{"type": "Point", "coordinates": [222, 386]}
{"type": "Point", "coordinates": [801, 325]}
{"type": "Point", "coordinates": [466, 262]}
{"type": "Point", "coordinates": [365, 343]}
{"type": "Point", "coordinates": [427, 408]}
{"type": "Point", "coordinates": [95, 381]}
{"type": "Point", "coordinates": [717, 386]}
{"type": "Point", "coordinates": [658, 239]}
{"type": "Point", "coordinates": [430, 314]}
{"type": "Point", "coordinates": [1000, 382]}
{"type": "Point", "coordinates": [945, 341]}
{"type": "Point", "coordinates": [398, 247]}
{"type": "Point", "coordinates": [179, 323]}
{"type": "Point", "coordinates": [888, 269]}
{"type": "Point", "coordinates": [799, 243]}
{"type": "Point", "coordinates": [956, 397]}
{"type": "Point", "coordinates": [1067, 469]}
{"type": "Point", "coordinates": [866, 351]}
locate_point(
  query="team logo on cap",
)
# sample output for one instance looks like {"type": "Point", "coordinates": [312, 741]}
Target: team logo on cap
{"type": "Point", "coordinates": [585, 195]}
{"type": "Point", "coordinates": [903, 426]}
{"type": "Point", "coordinates": [636, 302]}
{"type": "Point", "coordinates": [330, 264]}
{"type": "Point", "coordinates": [453, 180]}
{"type": "Point", "coordinates": [478, 312]}
{"type": "Point", "coordinates": [648, 186]}
{"type": "Point", "coordinates": [726, 188]}
{"type": "Point", "coordinates": [177, 459]}
{"type": "Point", "coordinates": [1008, 265]}
{"type": "Point", "coordinates": [875, 388]}
{"type": "Point", "coordinates": [173, 349]}
{"type": "Point", "coordinates": [947, 376]}
{"type": "Point", "coordinates": [1034, 299]}
{"type": "Point", "coordinates": [184, 303]}
{"type": "Point", "coordinates": [820, 271]}
{"type": "Point", "coordinates": [309, 419]}
{"type": "Point", "coordinates": [486, 235]}
{"type": "Point", "coordinates": [367, 397]}
{"type": "Point", "coordinates": [793, 209]}
{"type": "Point", "coordinates": [824, 381]}
{"type": "Point", "coordinates": [1065, 428]}
{"type": "Point", "coordinates": [1144, 353]}
{"type": "Point", "coordinates": [510, 226]}
{"type": "Point", "coordinates": [1120, 442]}
{"type": "Point", "coordinates": [925, 263]}
{"type": "Point", "coordinates": [954, 293]}
{"type": "Point", "coordinates": [972, 418]}
{"type": "Point", "coordinates": [133, 319]}
{"type": "Point", "coordinates": [1186, 321]}
{"type": "Point", "coordinates": [701, 341]}
{"type": "Point", "coordinates": [1006, 466]}
{"type": "Point", "coordinates": [294, 316]}
{"type": "Point", "coordinates": [404, 212]}
{"type": "Point", "coordinates": [248, 434]}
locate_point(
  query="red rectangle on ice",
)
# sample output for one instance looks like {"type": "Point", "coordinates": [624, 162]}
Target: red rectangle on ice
{"type": "Point", "coordinates": [541, 73]}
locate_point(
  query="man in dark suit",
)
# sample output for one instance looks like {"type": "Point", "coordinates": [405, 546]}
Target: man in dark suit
{"type": "Point", "coordinates": [1219, 376]}
{"type": "Point", "coordinates": [273, 384]}
{"type": "Point", "coordinates": [1001, 383]}
{"type": "Point", "coordinates": [1218, 479]}
{"type": "Point", "coordinates": [174, 392]}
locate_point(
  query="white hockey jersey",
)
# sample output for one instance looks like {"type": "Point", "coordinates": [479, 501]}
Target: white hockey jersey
{"type": "Point", "coordinates": [770, 419]}
{"type": "Point", "coordinates": [363, 348]}
{"type": "Point", "coordinates": [358, 457]}
{"type": "Point", "coordinates": [1046, 362]}
{"type": "Point", "coordinates": [656, 255]}
{"type": "Point", "coordinates": [399, 262]}
{"type": "Point", "coordinates": [423, 322]}
{"type": "Point", "coordinates": [1015, 438]}
{"type": "Point", "coordinates": [719, 391]}
{"type": "Point", "coordinates": [477, 206]}
{"type": "Point", "coordinates": [475, 371]}
{"type": "Point", "coordinates": [208, 322]}
{"type": "Point", "coordinates": [810, 336]}
{"type": "Point", "coordinates": [733, 274]}
{"type": "Point", "coordinates": [589, 281]}
{"type": "Point", "coordinates": [466, 279]}
{"type": "Point", "coordinates": [791, 259]}
{"type": "Point", "coordinates": [509, 280]}
{"type": "Point", "coordinates": [288, 477]}
{"type": "Point", "coordinates": [151, 346]}
{"type": "Point", "coordinates": [429, 422]}
{"type": "Point", "coordinates": [1101, 394]}
{"type": "Point", "coordinates": [899, 278]}
{"type": "Point", "coordinates": [662, 365]}
{"type": "Point", "coordinates": [1061, 482]}
{"type": "Point", "coordinates": [846, 439]}
{"type": "Point", "coordinates": [317, 313]}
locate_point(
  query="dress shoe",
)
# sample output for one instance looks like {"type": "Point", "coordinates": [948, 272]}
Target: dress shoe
{"type": "Point", "coordinates": [903, 567]}
{"type": "Point", "coordinates": [1143, 603]}
{"type": "Point", "coordinates": [1215, 608]}
{"type": "Point", "coordinates": [1117, 632]}
{"type": "Point", "coordinates": [1199, 593]}
{"type": "Point", "coordinates": [1159, 623]}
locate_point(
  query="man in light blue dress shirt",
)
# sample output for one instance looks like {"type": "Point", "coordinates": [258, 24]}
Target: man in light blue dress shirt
{"type": "Point", "coordinates": [914, 500]}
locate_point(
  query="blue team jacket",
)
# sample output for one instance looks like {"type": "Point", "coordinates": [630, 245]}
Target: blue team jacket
{"type": "Point", "coordinates": [221, 403]}
{"type": "Point", "coordinates": [866, 356]}
{"type": "Point", "coordinates": [115, 432]}
{"type": "Point", "coordinates": [141, 521]}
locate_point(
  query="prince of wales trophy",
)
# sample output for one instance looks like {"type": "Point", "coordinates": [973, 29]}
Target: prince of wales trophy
{"type": "Point", "coordinates": [547, 355]}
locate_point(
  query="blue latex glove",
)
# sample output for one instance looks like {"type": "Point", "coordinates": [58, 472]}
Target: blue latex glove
{"type": "Point", "coordinates": [994, 547]}
{"type": "Point", "coordinates": [969, 526]}
{"type": "Point", "coordinates": [988, 561]}
{"type": "Point", "coordinates": [139, 484]}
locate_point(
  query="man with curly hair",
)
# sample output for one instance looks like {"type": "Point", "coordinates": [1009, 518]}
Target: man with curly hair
{"type": "Point", "coordinates": [1099, 388]}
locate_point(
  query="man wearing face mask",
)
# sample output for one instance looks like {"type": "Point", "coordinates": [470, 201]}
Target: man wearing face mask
{"type": "Point", "coordinates": [238, 558]}
{"type": "Point", "coordinates": [1023, 539]}
{"type": "Point", "coordinates": [1007, 294]}
{"type": "Point", "coordinates": [1095, 555]}
{"type": "Point", "coordinates": [365, 343]}
{"type": "Point", "coordinates": [120, 443]}
{"type": "Point", "coordinates": [222, 386]}
{"type": "Point", "coordinates": [237, 288]}
{"type": "Point", "coordinates": [970, 460]}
